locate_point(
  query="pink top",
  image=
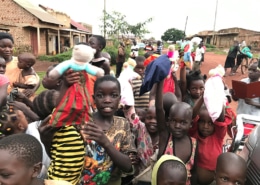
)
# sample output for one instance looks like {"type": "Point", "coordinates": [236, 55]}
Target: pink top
{"type": "Point", "coordinates": [3, 80]}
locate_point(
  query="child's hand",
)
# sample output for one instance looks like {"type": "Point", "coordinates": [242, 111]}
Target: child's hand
{"type": "Point", "coordinates": [91, 131]}
{"type": "Point", "coordinates": [28, 92]}
{"type": "Point", "coordinates": [134, 159]}
{"type": "Point", "coordinates": [71, 77]}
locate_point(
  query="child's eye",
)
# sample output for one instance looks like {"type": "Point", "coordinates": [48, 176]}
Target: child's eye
{"type": "Point", "coordinates": [99, 96]}
{"type": "Point", "coordinates": [238, 183]}
{"type": "Point", "coordinates": [115, 95]}
{"type": "Point", "coordinates": [5, 175]}
{"type": "Point", "coordinates": [225, 179]}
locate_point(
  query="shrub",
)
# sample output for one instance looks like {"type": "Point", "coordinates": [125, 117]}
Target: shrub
{"type": "Point", "coordinates": [56, 58]}
{"type": "Point", "coordinates": [210, 46]}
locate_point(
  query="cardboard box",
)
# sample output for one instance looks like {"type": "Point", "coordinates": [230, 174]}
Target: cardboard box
{"type": "Point", "coordinates": [243, 90]}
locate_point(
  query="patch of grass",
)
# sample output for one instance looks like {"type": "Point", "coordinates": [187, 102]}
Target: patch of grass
{"type": "Point", "coordinates": [41, 88]}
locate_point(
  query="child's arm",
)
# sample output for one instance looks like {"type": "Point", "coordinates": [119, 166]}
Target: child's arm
{"type": "Point", "coordinates": [233, 95]}
{"type": "Point", "coordinates": [3, 95]}
{"type": "Point", "coordinates": [91, 131]}
{"type": "Point", "coordinates": [177, 88]}
{"type": "Point", "coordinates": [160, 117]}
{"type": "Point", "coordinates": [23, 86]}
{"type": "Point", "coordinates": [197, 106]}
{"type": "Point", "coordinates": [183, 80]}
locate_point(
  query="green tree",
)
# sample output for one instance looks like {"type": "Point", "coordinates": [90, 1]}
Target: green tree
{"type": "Point", "coordinates": [173, 34]}
{"type": "Point", "coordinates": [115, 24]}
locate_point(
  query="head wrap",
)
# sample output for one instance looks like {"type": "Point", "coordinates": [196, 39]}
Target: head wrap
{"type": "Point", "coordinates": [157, 165]}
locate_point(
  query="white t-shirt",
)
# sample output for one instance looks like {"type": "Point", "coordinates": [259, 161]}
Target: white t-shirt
{"type": "Point", "coordinates": [199, 52]}
{"type": "Point", "coordinates": [33, 131]}
{"type": "Point", "coordinates": [134, 47]}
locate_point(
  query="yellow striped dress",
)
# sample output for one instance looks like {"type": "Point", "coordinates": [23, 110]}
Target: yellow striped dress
{"type": "Point", "coordinates": [67, 155]}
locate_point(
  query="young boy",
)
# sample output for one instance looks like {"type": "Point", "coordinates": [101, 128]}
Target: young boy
{"type": "Point", "coordinates": [21, 161]}
{"type": "Point", "coordinates": [28, 78]}
{"type": "Point", "coordinates": [231, 169]}
{"type": "Point", "coordinates": [2, 65]}
{"type": "Point", "coordinates": [108, 138]}
{"type": "Point", "coordinates": [249, 106]}
{"type": "Point", "coordinates": [169, 170]}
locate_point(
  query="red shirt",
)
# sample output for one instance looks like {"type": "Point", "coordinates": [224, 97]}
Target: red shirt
{"type": "Point", "coordinates": [209, 148]}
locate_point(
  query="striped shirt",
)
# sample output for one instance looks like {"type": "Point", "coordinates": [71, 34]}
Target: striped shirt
{"type": "Point", "coordinates": [141, 102]}
{"type": "Point", "coordinates": [67, 155]}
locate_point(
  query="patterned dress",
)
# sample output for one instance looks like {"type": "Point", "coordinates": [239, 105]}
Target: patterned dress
{"type": "Point", "coordinates": [99, 169]}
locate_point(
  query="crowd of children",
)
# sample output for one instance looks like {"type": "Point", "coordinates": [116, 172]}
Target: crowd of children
{"type": "Point", "coordinates": [121, 135]}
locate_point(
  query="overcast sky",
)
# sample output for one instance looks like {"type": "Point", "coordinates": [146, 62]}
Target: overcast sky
{"type": "Point", "coordinates": [165, 13]}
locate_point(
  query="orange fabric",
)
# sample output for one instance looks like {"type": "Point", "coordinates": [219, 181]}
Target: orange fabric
{"type": "Point", "coordinates": [150, 59]}
{"type": "Point", "coordinates": [12, 72]}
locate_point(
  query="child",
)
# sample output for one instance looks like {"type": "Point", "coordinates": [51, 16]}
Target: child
{"type": "Point", "coordinates": [125, 79]}
{"type": "Point", "coordinates": [21, 161]}
{"type": "Point", "coordinates": [198, 58]}
{"type": "Point", "coordinates": [173, 137]}
{"type": "Point", "coordinates": [28, 78]}
{"type": "Point", "coordinates": [169, 170]}
{"type": "Point", "coordinates": [210, 136]}
{"type": "Point", "coordinates": [249, 106]}
{"type": "Point", "coordinates": [230, 60]}
{"type": "Point", "coordinates": [3, 90]}
{"type": "Point", "coordinates": [98, 43]}
{"type": "Point", "coordinates": [2, 65]}
{"type": "Point", "coordinates": [109, 137]}
{"type": "Point", "coordinates": [192, 85]}
{"type": "Point", "coordinates": [13, 121]}
{"type": "Point", "coordinates": [231, 169]}
{"type": "Point", "coordinates": [141, 102]}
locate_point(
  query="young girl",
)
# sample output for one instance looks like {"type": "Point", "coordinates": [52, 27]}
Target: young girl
{"type": "Point", "coordinates": [173, 135]}
{"type": "Point", "coordinates": [2, 65]}
{"type": "Point", "coordinates": [192, 85]}
{"type": "Point", "coordinates": [169, 170]}
{"type": "Point", "coordinates": [109, 137]}
{"type": "Point", "coordinates": [21, 161]}
{"type": "Point", "coordinates": [28, 78]}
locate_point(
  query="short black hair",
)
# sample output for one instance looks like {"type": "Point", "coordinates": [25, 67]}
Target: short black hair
{"type": "Point", "coordinates": [105, 79]}
{"type": "Point", "coordinates": [101, 40]}
{"type": "Point", "coordinates": [194, 76]}
{"type": "Point", "coordinates": [4, 35]}
{"type": "Point", "coordinates": [24, 146]}
{"type": "Point", "coordinates": [173, 164]}
{"type": "Point", "coordinates": [140, 59]}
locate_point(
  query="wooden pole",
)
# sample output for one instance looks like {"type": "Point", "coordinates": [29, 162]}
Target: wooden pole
{"type": "Point", "coordinates": [214, 27]}
{"type": "Point", "coordinates": [185, 26]}
{"type": "Point", "coordinates": [104, 18]}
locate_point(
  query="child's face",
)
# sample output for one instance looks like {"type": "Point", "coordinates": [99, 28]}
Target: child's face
{"type": "Point", "coordinates": [139, 68]}
{"type": "Point", "coordinates": [171, 176]}
{"type": "Point", "coordinates": [206, 126]}
{"type": "Point", "coordinates": [150, 120]}
{"type": "Point", "coordinates": [2, 66]}
{"type": "Point", "coordinates": [179, 121]}
{"type": "Point", "coordinates": [23, 64]}
{"type": "Point", "coordinates": [196, 88]}
{"type": "Point", "coordinates": [141, 113]}
{"type": "Point", "coordinates": [14, 171]}
{"type": "Point", "coordinates": [49, 83]}
{"type": "Point", "coordinates": [16, 123]}
{"type": "Point", "coordinates": [107, 97]}
{"type": "Point", "coordinates": [230, 175]}
{"type": "Point", "coordinates": [253, 73]}
{"type": "Point", "coordinates": [93, 42]}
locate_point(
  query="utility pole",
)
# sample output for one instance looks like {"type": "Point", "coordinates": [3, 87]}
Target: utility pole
{"type": "Point", "coordinates": [185, 26]}
{"type": "Point", "coordinates": [105, 19]}
{"type": "Point", "coordinates": [214, 27]}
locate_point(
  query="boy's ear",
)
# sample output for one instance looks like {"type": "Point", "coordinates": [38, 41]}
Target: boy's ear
{"type": "Point", "coordinates": [36, 169]}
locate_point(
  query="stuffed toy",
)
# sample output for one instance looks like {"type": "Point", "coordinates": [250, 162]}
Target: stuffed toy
{"type": "Point", "coordinates": [214, 94]}
{"type": "Point", "coordinates": [74, 107]}
{"type": "Point", "coordinates": [81, 56]}
{"type": "Point", "coordinates": [125, 79]}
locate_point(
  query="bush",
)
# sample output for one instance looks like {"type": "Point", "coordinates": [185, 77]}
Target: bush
{"type": "Point", "coordinates": [210, 46]}
{"type": "Point", "coordinates": [56, 58]}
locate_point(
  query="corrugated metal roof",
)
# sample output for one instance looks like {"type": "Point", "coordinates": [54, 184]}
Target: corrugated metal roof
{"type": "Point", "coordinates": [78, 26]}
{"type": "Point", "coordinates": [38, 12]}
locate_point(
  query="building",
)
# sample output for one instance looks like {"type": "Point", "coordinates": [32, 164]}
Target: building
{"type": "Point", "coordinates": [39, 30]}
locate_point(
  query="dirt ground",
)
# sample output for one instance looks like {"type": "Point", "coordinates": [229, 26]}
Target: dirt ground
{"type": "Point", "coordinates": [211, 61]}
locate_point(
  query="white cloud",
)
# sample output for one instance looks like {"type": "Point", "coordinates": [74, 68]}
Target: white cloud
{"type": "Point", "coordinates": [165, 13]}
